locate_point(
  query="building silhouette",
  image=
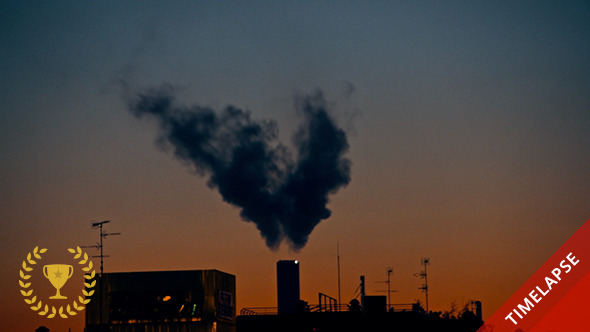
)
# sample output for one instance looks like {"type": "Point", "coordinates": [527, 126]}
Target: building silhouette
{"type": "Point", "coordinates": [163, 301]}
{"type": "Point", "coordinates": [369, 314]}
{"type": "Point", "coordinates": [204, 301]}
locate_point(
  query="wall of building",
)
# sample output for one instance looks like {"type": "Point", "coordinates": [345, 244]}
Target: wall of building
{"type": "Point", "coordinates": [168, 301]}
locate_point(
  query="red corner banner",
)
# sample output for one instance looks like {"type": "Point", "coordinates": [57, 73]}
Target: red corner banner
{"type": "Point", "coordinates": [555, 298]}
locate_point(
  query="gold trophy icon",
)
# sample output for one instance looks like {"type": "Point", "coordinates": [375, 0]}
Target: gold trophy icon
{"type": "Point", "coordinates": [58, 274]}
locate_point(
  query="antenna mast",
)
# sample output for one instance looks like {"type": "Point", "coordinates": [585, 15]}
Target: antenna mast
{"type": "Point", "coordinates": [338, 259]}
{"type": "Point", "coordinates": [388, 282]}
{"type": "Point", "coordinates": [424, 275]}
{"type": "Point", "coordinates": [99, 246]}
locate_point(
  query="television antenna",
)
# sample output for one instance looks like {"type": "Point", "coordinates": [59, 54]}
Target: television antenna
{"type": "Point", "coordinates": [424, 275]}
{"type": "Point", "coordinates": [389, 270]}
{"type": "Point", "coordinates": [99, 245]}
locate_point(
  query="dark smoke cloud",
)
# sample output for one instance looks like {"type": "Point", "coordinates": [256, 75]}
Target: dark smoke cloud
{"type": "Point", "coordinates": [284, 194]}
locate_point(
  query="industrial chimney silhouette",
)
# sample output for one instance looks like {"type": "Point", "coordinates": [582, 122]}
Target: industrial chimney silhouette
{"type": "Point", "coordinates": [287, 286]}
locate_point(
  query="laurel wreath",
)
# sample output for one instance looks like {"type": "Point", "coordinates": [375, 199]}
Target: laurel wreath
{"type": "Point", "coordinates": [27, 290]}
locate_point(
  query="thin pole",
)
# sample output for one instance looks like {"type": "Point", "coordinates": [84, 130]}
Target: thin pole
{"type": "Point", "coordinates": [101, 282]}
{"type": "Point", "coordinates": [101, 255]}
{"type": "Point", "coordinates": [338, 259]}
{"type": "Point", "coordinates": [424, 275]}
{"type": "Point", "coordinates": [363, 294]}
{"type": "Point", "coordinates": [426, 283]}
{"type": "Point", "coordinates": [101, 272]}
{"type": "Point", "coordinates": [389, 270]}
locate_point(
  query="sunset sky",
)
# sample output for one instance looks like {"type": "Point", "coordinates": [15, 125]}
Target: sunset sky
{"type": "Point", "coordinates": [468, 125]}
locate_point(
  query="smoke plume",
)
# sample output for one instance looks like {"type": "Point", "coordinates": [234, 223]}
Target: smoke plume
{"type": "Point", "coordinates": [283, 192]}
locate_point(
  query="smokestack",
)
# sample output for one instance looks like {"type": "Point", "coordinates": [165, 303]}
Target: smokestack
{"type": "Point", "coordinates": [287, 286]}
{"type": "Point", "coordinates": [363, 294]}
{"type": "Point", "coordinates": [283, 192]}
{"type": "Point", "coordinates": [478, 311]}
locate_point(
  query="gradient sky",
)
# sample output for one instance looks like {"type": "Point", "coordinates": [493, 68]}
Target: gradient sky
{"type": "Point", "coordinates": [468, 125]}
